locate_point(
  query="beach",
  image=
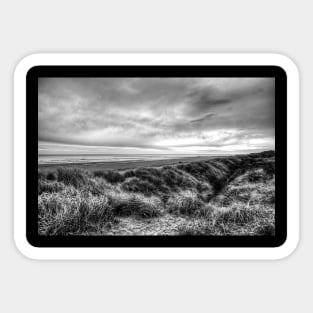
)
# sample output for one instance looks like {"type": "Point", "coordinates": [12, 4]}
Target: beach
{"type": "Point", "coordinates": [124, 165]}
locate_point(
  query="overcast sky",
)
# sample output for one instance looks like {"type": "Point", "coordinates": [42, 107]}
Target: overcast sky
{"type": "Point", "coordinates": [156, 115]}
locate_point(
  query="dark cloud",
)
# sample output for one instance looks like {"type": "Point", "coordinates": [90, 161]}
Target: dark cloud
{"type": "Point", "coordinates": [202, 100]}
{"type": "Point", "coordinates": [207, 97]}
{"type": "Point", "coordinates": [158, 113]}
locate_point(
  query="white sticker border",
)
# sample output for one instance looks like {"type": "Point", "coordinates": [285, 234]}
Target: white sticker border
{"type": "Point", "coordinates": [293, 201]}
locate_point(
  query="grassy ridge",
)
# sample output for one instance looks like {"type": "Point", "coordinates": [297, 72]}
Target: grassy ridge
{"type": "Point", "coordinates": [233, 195]}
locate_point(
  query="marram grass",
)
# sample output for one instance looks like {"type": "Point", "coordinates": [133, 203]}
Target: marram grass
{"type": "Point", "coordinates": [222, 196]}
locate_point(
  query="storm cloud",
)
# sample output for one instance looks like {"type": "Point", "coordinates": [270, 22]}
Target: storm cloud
{"type": "Point", "coordinates": [156, 115]}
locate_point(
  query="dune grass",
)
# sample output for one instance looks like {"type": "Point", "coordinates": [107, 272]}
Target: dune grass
{"type": "Point", "coordinates": [110, 176]}
{"type": "Point", "coordinates": [229, 196]}
{"type": "Point", "coordinates": [72, 176]}
{"type": "Point", "coordinates": [68, 213]}
{"type": "Point", "coordinates": [186, 202]}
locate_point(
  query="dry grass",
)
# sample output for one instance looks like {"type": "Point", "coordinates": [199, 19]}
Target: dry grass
{"type": "Point", "coordinates": [186, 202]}
{"type": "Point", "coordinates": [126, 204]}
{"type": "Point", "coordinates": [110, 176]}
{"type": "Point", "coordinates": [72, 176]}
{"type": "Point", "coordinates": [67, 212]}
{"type": "Point", "coordinates": [225, 196]}
{"type": "Point", "coordinates": [47, 186]}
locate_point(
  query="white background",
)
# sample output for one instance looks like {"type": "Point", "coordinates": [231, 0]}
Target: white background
{"type": "Point", "coordinates": [160, 26]}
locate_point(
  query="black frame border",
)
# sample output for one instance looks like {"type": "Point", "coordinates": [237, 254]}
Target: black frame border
{"type": "Point", "coordinates": [36, 240]}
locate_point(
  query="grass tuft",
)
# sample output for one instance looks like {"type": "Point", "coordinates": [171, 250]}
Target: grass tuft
{"type": "Point", "coordinates": [63, 214]}
{"type": "Point", "coordinates": [266, 230]}
{"type": "Point", "coordinates": [72, 176]}
{"type": "Point", "coordinates": [195, 230]}
{"type": "Point", "coordinates": [185, 203]}
{"type": "Point", "coordinates": [46, 186]}
{"type": "Point", "coordinates": [135, 185]}
{"type": "Point", "coordinates": [112, 177]}
{"type": "Point", "coordinates": [125, 204]}
{"type": "Point", "coordinates": [236, 215]}
{"type": "Point", "coordinates": [52, 176]}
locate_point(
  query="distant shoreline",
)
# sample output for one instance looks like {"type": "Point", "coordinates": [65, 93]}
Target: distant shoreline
{"type": "Point", "coordinates": [124, 165]}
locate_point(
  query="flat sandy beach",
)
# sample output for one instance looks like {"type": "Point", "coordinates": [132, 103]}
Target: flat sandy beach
{"type": "Point", "coordinates": [124, 165]}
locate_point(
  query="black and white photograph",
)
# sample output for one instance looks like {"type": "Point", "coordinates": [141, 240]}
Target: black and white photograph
{"type": "Point", "coordinates": [156, 156]}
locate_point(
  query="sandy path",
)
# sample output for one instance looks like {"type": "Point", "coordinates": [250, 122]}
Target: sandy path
{"type": "Point", "coordinates": [165, 225]}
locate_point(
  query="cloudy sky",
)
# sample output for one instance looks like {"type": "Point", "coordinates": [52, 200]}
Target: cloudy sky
{"type": "Point", "coordinates": [156, 115]}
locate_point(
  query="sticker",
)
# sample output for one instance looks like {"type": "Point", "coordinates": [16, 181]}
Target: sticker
{"type": "Point", "coordinates": [156, 156]}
